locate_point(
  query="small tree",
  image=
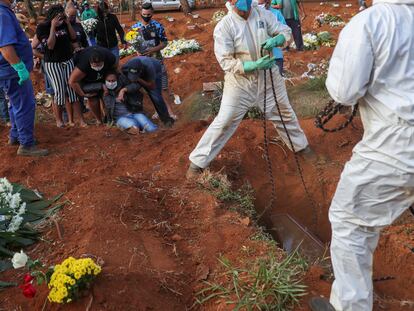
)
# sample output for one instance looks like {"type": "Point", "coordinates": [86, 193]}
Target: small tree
{"type": "Point", "coordinates": [30, 9]}
{"type": "Point", "coordinates": [185, 6]}
{"type": "Point", "coordinates": [132, 11]}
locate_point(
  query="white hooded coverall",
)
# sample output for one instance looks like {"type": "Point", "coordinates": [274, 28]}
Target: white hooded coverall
{"type": "Point", "coordinates": [373, 62]}
{"type": "Point", "coordinates": [235, 41]}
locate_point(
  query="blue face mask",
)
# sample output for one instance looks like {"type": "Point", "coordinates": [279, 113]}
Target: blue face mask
{"type": "Point", "coordinates": [244, 5]}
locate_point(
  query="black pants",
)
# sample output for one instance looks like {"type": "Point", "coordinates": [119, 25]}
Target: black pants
{"type": "Point", "coordinates": [296, 32]}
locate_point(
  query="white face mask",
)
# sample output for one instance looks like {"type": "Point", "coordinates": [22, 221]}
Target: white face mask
{"type": "Point", "coordinates": [111, 85]}
{"type": "Point", "coordinates": [262, 6]}
{"type": "Point", "coordinates": [97, 68]}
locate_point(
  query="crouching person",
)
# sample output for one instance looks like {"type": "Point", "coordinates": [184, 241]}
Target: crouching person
{"type": "Point", "coordinates": [123, 104]}
{"type": "Point", "coordinates": [91, 66]}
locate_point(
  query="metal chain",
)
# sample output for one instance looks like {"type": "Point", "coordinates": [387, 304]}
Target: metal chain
{"type": "Point", "coordinates": [330, 110]}
{"type": "Point", "coordinates": [269, 164]}
{"type": "Point", "coordinates": [266, 153]}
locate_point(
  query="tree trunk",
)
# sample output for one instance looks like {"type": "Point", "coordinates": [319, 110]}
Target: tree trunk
{"type": "Point", "coordinates": [132, 10]}
{"type": "Point", "coordinates": [41, 6]}
{"type": "Point", "coordinates": [30, 9]}
{"type": "Point", "coordinates": [185, 6]}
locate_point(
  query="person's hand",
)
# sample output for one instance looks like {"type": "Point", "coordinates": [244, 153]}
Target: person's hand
{"type": "Point", "coordinates": [88, 95]}
{"type": "Point", "coordinates": [261, 64]}
{"type": "Point", "coordinates": [56, 21]}
{"type": "Point", "coordinates": [121, 96]}
{"type": "Point", "coordinates": [105, 90]}
{"type": "Point", "coordinates": [276, 41]}
{"type": "Point", "coordinates": [22, 72]}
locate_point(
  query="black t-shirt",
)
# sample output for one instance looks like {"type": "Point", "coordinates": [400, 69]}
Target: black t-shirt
{"type": "Point", "coordinates": [82, 62]}
{"type": "Point", "coordinates": [80, 34]}
{"type": "Point", "coordinates": [63, 48]}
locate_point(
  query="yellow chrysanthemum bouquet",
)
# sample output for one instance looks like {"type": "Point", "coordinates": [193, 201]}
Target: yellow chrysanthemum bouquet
{"type": "Point", "coordinates": [71, 278]}
{"type": "Point", "coordinates": [67, 282]}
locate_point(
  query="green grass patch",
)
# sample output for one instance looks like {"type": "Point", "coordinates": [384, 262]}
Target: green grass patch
{"type": "Point", "coordinates": [221, 188]}
{"type": "Point", "coordinates": [266, 284]}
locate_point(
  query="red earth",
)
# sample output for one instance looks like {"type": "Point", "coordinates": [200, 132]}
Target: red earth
{"type": "Point", "coordinates": [158, 236]}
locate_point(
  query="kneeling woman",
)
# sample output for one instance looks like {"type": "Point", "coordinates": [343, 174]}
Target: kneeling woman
{"type": "Point", "coordinates": [123, 104]}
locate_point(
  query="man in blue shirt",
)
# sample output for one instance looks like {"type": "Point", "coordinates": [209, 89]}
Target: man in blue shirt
{"type": "Point", "coordinates": [16, 62]}
{"type": "Point", "coordinates": [277, 52]}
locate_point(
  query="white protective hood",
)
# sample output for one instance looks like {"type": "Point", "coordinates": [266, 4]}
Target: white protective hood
{"type": "Point", "coordinates": [408, 2]}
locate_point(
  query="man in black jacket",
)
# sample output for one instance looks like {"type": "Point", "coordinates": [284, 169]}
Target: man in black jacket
{"type": "Point", "coordinates": [147, 72]}
{"type": "Point", "coordinates": [106, 29]}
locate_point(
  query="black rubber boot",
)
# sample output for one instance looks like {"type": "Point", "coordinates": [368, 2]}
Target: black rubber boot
{"type": "Point", "coordinates": [32, 151]}
{"type": "Point", "coordinates": [320, 304]}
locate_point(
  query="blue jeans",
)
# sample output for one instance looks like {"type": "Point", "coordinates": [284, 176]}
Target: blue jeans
{"type": "Point", "coordinates": [137, 120]}
{"type": "Point", "coordinates": [91, 40]}
{"type": "Point", "coordinates": [115, 51]}
{"type": "Point", "coordinates": [4, 107]}
{"type": "Point", "coordinates": [279, 64]}
{"type": "Point", "coordinates": [22, 110]}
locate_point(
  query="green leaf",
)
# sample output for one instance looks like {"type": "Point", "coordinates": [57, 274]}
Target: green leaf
{"type": "Point", "coordinates": [37, 206]}
{"type": "Point", "coordinates": [6, 284]}
{"type": "Point", "coordinates": [24, 241]}
{"type": "Point", "coordinates": [5, 265]}
{"type": "Point", "coordinates": [27, 195]}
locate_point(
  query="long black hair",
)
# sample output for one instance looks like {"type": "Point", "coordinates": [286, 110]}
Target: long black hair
{"type": "Point", "coordinates": [54, 11]}
{"type": "Point", "coordinates": [102, 7]}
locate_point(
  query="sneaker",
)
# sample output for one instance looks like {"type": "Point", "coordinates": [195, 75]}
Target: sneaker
{"type": "Point", "coordinates": [32, 151]}
{"type": "Point", "coordinates": [320, 304]}
{"type": "Point", "coordinates": [193, 172]}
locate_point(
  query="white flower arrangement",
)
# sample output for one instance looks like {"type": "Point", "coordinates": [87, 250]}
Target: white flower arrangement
{"type": "Point", "coordinates": [332, 20]}
{"type": "Point", "coordinates": [180, 46]}
{"type": "Point", "coordinates": [13, 202]}
{"type": "Point", "coordinates": [313, 41]}
{"type": "Point", "coordinates": [89, 25]}
{"type": "Point", "coordinates": [127, 52]}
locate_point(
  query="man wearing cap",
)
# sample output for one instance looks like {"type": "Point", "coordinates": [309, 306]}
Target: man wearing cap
{"type": "Point", "coordinates": [147, 72]}
{"type": "Point", "coordinates": [16, 62]}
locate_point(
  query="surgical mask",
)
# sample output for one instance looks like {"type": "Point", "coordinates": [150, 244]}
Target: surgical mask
{"type": "Point", "coordinates": [262, 6]}
{"type": "Point", "coordinates": [146, 18]}
{"type": "Point", "coordinates": [244, 5]}
{"type": "Point", "coordinates": [111, 85]}
{"type": "Point", "coordinates": [97, 68]}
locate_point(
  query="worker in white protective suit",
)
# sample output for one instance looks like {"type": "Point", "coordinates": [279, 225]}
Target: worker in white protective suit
{"type": "Point", "coordinates": [238, 40]}
{"type": "Point", "coordinates": [373, 63]}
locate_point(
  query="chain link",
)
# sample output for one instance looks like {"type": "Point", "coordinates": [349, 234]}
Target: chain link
{"type": "Point", "coordinates": [267, 157]}
{"type": "Point", "coordinates": [330, 110]}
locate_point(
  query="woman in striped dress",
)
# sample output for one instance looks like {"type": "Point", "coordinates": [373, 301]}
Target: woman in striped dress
{"type": "Point", "coordinates": [58, 35]}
